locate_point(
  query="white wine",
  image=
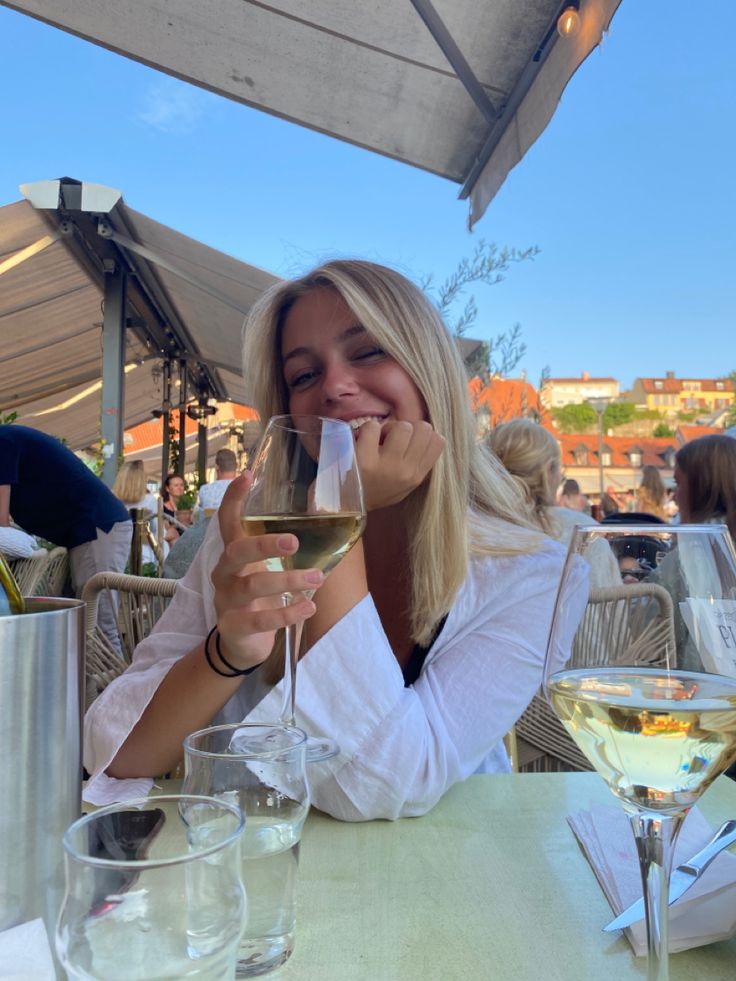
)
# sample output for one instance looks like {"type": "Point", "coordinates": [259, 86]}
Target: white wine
{"type": "Point", "coordinates": [323, 538]}
{"type": "Point", "coordinates": [658, 739]}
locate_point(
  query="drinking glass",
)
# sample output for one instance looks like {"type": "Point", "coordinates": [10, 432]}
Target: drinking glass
{"type": "Point", "coordinates": [647, 689]}
{"type": "Point", "coordinates": [261, 768]}
{"type": "Point", "coordinates": [153, 891]}
{"type": "Point", "coordinates": [306, 483]}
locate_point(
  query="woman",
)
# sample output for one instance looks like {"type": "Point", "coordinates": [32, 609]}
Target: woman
{"type": "Point", "coordinates": [131, 488]}
{"type": "Point", "coordinates": [705, 475]}
{"type": "Point", "coordinates": [426, 643]}
{"type": "Point", "coordinates": [651, 495]}
{"type": "Point", "coordinates": [531, 455]}
{"type": "Point", "coordinates": [172, 489]}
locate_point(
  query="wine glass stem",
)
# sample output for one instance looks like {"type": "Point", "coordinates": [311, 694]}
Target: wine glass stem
{"type": "Point", "coordinates": [292, 644]}
{"type": "Point", "coordinates": [655, 840]}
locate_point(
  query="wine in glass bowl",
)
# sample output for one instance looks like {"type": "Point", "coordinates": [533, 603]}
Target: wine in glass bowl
{"type": "Point", "coordinates": [643, 679]}
{"type": "Point", "coordinates": [306, 483]}
{"type": "Point", "coordinates": [323, 538]}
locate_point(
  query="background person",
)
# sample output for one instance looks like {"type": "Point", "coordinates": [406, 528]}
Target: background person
{"type": "Point", "coordinates": [51, 493]}
{"type": "Point", "coordinates": [572, 498]}
{"type": "Point", "coordinates": [531, 454]}
{"type": "Point", "coordinates": [210, 495]}
{"type": "Point", "coordinates": [651, 495]}
{"type": "Point", "coordinates": [426, 642]}
{"type": "Point", "coordinates": [131, 488]}
{"type": "Point", "coordinates": [705, 476]}
{"type": "Point", "coordinates": [172, 490]}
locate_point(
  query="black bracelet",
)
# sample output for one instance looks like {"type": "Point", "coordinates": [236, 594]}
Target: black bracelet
{"type": "Point", "coordinates": [233, 672]}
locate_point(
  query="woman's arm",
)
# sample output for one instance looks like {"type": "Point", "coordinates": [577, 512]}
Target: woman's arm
{"type": "Point", "coordinates": [402, 748]}
{"type": "Point", "coordinates": [172, 688]}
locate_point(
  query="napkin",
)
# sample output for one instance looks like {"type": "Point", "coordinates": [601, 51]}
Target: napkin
{"type": "Point", "coordinates": [707, 911]}
{"type": "Point", "coordinates": [25, 954]}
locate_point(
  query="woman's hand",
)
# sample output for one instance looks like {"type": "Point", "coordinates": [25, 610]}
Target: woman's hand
{"type": "Point", "coordinates": [394, 459]}
{"type": "Point", "coordinates": [247, 596]}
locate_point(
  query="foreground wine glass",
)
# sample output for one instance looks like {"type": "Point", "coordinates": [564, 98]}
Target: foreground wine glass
{"type": "Point", "coordinates": [153, 891]}
{"type": "Point", "coordinates": [306, 483]}
{"type": "Point", "coordinates": [649, 690]}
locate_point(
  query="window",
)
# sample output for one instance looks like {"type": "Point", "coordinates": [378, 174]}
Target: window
{"type": "Point", "coordinates": [606, 458]}
{"type": "Point", "coordinates": [581, 457]}
{"type": "Point", "coordinates": [635, 458]}
{"type": "Point", "coordinates": [658, 383]}
{"type": "Point", "coordinates": [719, 386]}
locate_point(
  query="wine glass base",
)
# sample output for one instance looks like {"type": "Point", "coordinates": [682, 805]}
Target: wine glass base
{"type": "Point", "coordinates": [321, 748]}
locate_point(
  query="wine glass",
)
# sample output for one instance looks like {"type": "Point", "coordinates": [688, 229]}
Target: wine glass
{"type": "Point", "coordinates": [643, 678]}
{"type": "Point", "coordinates": [306, 483]}
{"type": "Point", "coordinates": [153, 891]}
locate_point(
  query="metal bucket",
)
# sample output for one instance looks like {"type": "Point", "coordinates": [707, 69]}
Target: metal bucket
{"type": "Point", "coordinates": [41, 706]}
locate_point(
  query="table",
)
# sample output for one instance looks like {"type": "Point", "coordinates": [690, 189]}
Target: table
{"type": "Point", "coordinates": [491, 884]}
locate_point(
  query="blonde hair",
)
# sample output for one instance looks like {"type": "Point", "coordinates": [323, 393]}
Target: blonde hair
{"type": "Point", "coordinates": [531, 454]}
{"type": "Point", "coordinates": [130, 482]}
{"type": "Point", "coordinates": [467, 487]}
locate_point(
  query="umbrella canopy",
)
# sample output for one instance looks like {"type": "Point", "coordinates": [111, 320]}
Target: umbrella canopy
{"type": "Point", "coordinates": [182, 309]}
{"type": "Point", "coordinates": [461, 88]}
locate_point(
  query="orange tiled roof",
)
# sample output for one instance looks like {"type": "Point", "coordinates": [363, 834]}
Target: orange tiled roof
{"type": "Point", "coordinates": [674, 385]}
{"type": "Point", "coordinates": [652, 449]}
{"type": "Point", "coordinates": [580, 381]}
{"type": "Point", "coordinates": [687, 433]}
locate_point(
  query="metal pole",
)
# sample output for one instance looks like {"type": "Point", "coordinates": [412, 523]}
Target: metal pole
{"type": "Point", "coordinates": [202, 450]}
{"type": "Point", "coordinates": [600, 451]}
{"type": "Point", "coordinates": [182, 417]}
{"type": "Point", "coordinates": [113, 374]}
{"type": "Point", "coordinates": [165, 434]}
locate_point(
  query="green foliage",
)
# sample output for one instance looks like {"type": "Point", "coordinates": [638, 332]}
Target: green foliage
{"type": "Point", "coordinates": [647, 414]}
{"type": "Point", "coordinates": [662, 429]}
{"type": "Point", "coordinates": [187, 500]}
{"type": "Point", "coordinates": [618, 414]}
{"type": "Point", "coordinates": [6, 418]}
{"type": "Point", "coordinates": [731, 418]}
{"type": "Point", "coordinates": [575, 418]}
{"type": "Point", "coordinates": [488, 264]}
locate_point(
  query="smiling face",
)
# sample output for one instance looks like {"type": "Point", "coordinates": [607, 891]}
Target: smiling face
{"type": "Point", "coordinates": [332, 367]}
{"type": "Point", "coordinates": [175, 486]}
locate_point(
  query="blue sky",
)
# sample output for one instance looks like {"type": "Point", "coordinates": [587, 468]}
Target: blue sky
{"type": "Point", "coordinates": [629, 193]}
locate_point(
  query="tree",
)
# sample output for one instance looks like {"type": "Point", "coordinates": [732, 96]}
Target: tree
{"type": "Point", "coordinates": [662, 429]}
{"type": "Point", "coordinates": [618, 414]}
{"type": "Point", "coordinates": [575, 418]}
{"type": "Point", "coordinates": [731, 419]}
{"type": "Point", "coordinates": [487, 265]}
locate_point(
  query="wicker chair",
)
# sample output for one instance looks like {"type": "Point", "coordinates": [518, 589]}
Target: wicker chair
{"type": "Point", "coordinates": [56, 573]}
{"type": "Point", "coordinates": [141, 601]}
{"type": "Point", "coordinates": [29, 572]}
{"type": "Point", "coordinates": [639, 620]}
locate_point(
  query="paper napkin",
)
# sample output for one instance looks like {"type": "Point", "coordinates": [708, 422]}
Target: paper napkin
{"type": "Point", "coordinates": [25, 954]}
{"type": "Point", "coordinates": [707, 911]}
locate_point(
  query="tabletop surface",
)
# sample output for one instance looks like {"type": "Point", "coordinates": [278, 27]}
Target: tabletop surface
{"type": "Point", "coordinates": [491, 884]}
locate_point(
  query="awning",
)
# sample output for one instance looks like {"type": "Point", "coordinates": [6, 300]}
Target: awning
{"type": "Point", "coordinates": [185, 305]}
{"type": "Point", "coordinates": [461, 88]}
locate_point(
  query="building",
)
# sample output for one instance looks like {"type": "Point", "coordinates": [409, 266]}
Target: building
{"type": "Point", "coordinates": [572, 391]}
{"type": "Point", "coordinates": [670, 395]}
{"type": "Point", "coordinates": [503, 399]}
{"type": "Point", "coordinates": [622, 458]}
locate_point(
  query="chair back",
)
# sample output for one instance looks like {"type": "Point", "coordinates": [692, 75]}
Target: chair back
{"type": "Point", "coordinates": [140, 602]}
{"type": "Point", "coordinates": [29, 572]}
{"type": "Point", "coordinates": [56, 573]}
{"type": "Point", "coordinates": [637, 618]}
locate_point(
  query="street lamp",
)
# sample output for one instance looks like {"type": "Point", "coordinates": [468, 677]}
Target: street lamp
{"type": "Point", "coordinates": [599, 406]}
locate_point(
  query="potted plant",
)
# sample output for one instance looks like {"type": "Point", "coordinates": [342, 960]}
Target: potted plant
{"type": "Point", "coordinates": [185, 504]}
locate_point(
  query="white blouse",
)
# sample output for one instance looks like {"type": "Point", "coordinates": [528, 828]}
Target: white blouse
{"type": "Point", "coordinates": [400, 748]}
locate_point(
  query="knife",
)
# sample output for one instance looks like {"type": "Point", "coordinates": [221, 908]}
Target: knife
{"type": "Point", "coordinates": [682, 877]}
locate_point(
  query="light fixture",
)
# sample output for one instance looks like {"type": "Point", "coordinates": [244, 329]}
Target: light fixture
{"type": "Point", "coordinates": [568, 23]}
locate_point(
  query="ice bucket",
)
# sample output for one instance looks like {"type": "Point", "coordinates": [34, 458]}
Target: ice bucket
{"type": "Point", "coordinates": [41, 706]}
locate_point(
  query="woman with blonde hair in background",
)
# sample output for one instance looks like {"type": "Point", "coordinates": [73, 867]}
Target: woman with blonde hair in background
{"type": "Point", "coordinates": [651, 495]}
{"type": "Point", "coordinates": [426, 642]}
{"type": "Point", "coordinates": [531, 455]}
{"type": "Point", "coordinates": [131, 487]}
